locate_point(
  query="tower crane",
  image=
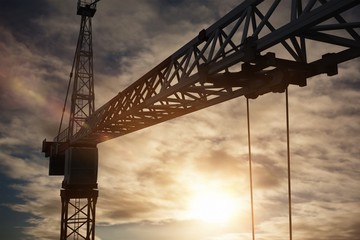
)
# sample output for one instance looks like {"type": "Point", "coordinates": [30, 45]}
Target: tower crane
{"type": "Point", "coordinates": [78, 163]}
{"type": "Point", "coordinates": [236, 56]}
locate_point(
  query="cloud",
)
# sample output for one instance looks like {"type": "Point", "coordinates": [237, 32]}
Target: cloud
{"type": "Point", "coordinates": [29, 105]}
{"type": "Point", "coordinates": [37, 193]}
{"type": "Point", "coordinates": [147, 178]}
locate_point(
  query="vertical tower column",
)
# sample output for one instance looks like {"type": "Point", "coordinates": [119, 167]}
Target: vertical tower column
{"type": "Point", "coordinates": [79, 193]}
{"type": "Point", "coordinates": [79, 190]}
{"type": "Point", "coordinates": [78, 213]}
{"type": "Point", "coordinates": [82, 99]}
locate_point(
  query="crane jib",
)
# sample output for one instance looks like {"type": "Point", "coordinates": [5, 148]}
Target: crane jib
{"type": "Point", "coordinates": [182, 74]}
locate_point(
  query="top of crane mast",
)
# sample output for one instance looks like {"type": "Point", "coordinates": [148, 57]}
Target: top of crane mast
{"type": "Point", "coordinates": [86, 8]}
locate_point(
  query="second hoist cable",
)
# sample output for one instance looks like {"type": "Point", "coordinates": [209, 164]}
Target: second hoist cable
{"type": "Point", "coordinates": [250, 170]}
{"type": "Point", "coordinates": [288, 159]}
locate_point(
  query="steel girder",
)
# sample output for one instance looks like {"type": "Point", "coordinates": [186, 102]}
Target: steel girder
{"type": "Point", "coordinates": [233, 57]}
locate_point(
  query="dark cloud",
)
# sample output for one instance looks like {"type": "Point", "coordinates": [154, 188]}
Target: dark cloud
{"type": "Point", "coordinates": [19, 16]}
{"type": "Point", "coordinates": [348, 84]}
{"type": "Point", "coordinates": [157, 175]}
{"type": "Point", "coordinates": [345, 226]}
{"type": "Point", "coordinates": [268, 176]}
{"type": "Point", "coordinates": [129, 207]}
{"type": "Point", "coordinates": [218, 164]}
{"type": "Point", "coordinates": [195, 12]}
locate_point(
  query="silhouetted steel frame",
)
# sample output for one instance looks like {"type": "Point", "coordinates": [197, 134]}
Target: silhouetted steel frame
{"type": "Point", "coordinates": [82, 100]}
{"type": "Point", "coordinates": [71, 223]}
{"type": "Point", "coordinates": [81, 223]}
{"type": "Point", "coordinates": [195, 77]}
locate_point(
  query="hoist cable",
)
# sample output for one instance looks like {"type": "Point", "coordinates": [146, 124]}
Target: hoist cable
{"type": "Point", "coordinates": [250, 170]}
{"type": "Point", "coordinates": [66, 97]}
{"type": "Point", "coordinates": [68, 90]}
{"type": "Point", "coordinates": [288, 160]}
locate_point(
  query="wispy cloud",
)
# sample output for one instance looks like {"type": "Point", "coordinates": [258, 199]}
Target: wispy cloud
{"type": "Point", "coordinates": [146, 179]}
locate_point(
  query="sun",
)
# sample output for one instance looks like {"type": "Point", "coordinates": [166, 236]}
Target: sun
{"type": "Point", "coordinates": [212, 207]}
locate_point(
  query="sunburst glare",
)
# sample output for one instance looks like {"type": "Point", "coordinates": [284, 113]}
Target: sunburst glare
{"type": "Point", "coordinates": [213, 207]}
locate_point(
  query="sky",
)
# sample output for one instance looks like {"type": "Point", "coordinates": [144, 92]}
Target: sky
{"type": "Point", "coordinates": [187, 178]}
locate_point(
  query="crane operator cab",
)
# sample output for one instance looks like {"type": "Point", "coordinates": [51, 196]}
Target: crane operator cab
{"type": "Point", "coordinates": [86, 8]}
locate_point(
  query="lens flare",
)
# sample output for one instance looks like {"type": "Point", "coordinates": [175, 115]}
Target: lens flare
{"type": "Point", "coordinates": [212, 207]}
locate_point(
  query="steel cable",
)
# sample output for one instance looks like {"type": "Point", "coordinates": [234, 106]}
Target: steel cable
{"type": "Point", "coordinates": [250, 170]}
{"type": "Point", "coordinates": [288, 160]}
{"type": "Point", "coordinates": [68, 89]}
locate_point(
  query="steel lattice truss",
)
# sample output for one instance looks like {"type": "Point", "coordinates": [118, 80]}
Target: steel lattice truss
{"type": "Point", "coordinates": [83, 88]}
{"type": "Point", "coordinates": [78, 214]}
{"type": "Point", "coordinates": [234, 57]}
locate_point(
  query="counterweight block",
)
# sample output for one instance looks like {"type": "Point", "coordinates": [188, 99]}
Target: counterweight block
{"type": "Point", "coordinates": [56, 157]}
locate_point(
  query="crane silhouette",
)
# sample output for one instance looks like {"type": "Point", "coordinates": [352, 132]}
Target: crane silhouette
{"type": "Point", "coordinates": [234, 57]}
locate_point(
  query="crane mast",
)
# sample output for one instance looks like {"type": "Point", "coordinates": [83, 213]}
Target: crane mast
{"type": "Point", "coordinates": [82, 100]}
{"type": "Point", "coordinates": [79, 188]}
{"type": "Point", "coordinates": [229, 59]}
